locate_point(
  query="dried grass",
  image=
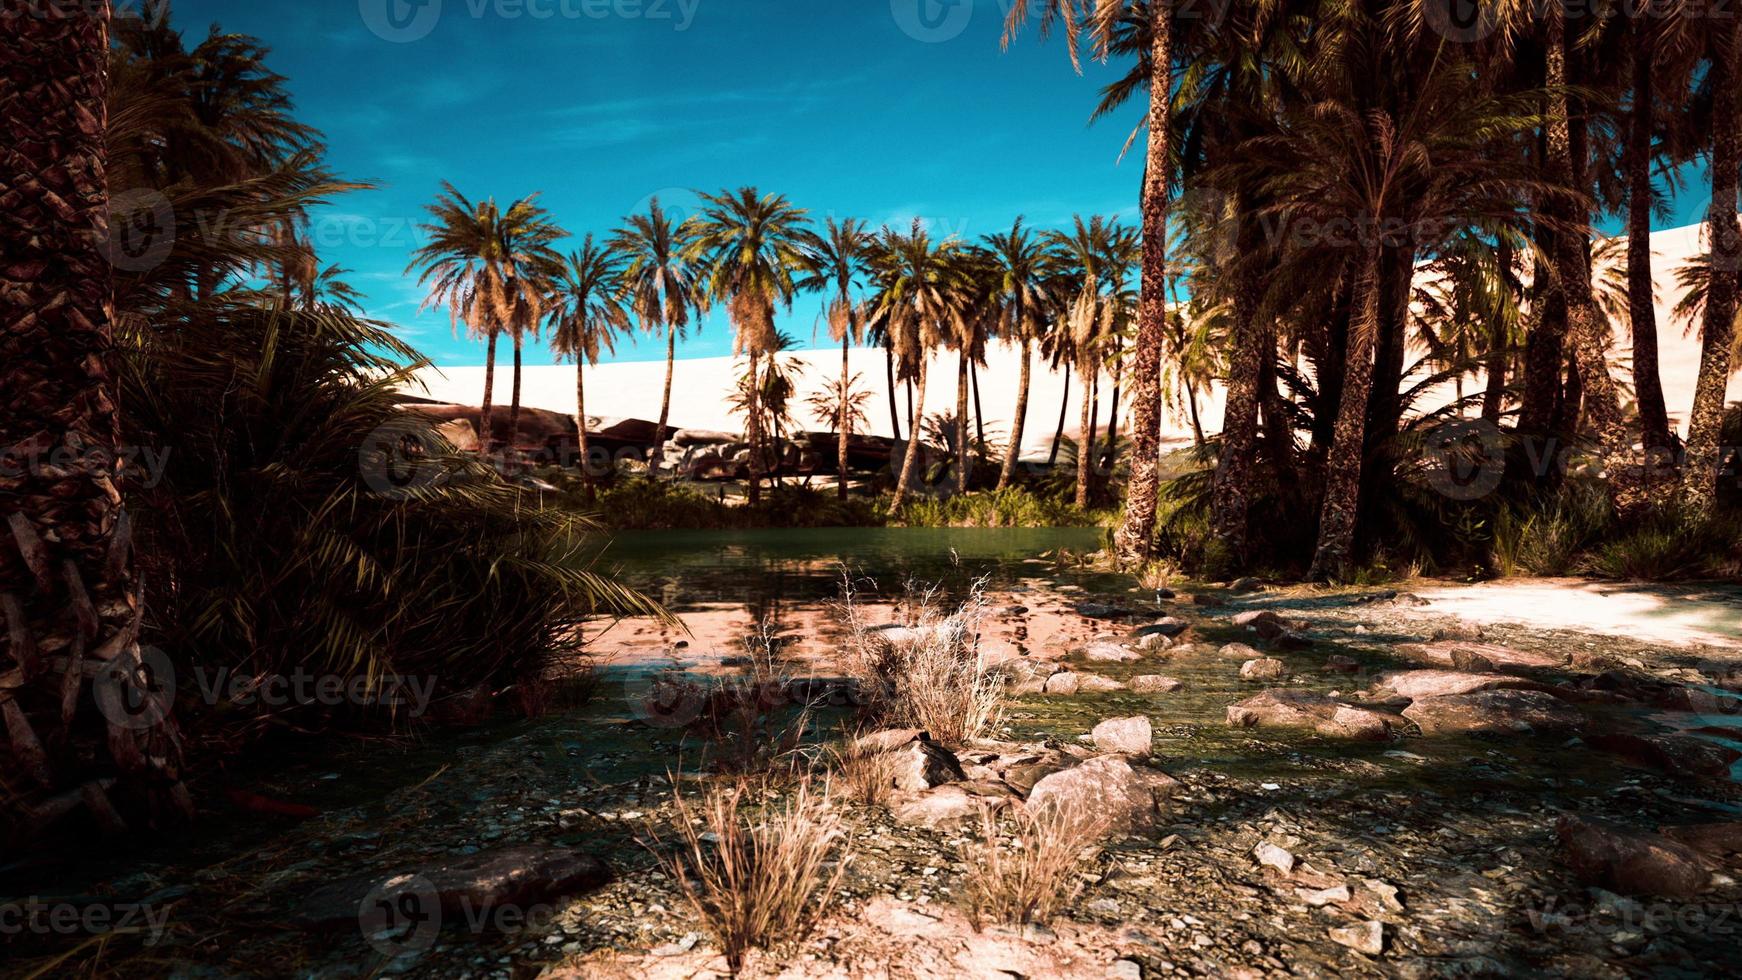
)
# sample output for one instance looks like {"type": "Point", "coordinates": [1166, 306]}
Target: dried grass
{"type": "Point", "coordinates": [759, 880]}
{"type": "Point", "coordinates": [928, 672]}
{"type": "Point", "coordinates": [1035, 876]}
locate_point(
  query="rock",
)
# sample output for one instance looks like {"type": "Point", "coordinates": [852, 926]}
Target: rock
{"type": "Point", "coordinates": [1102, 610]}
{"type": "Point", "coordinates": [1442, 653]}
{"type": "Point", "coordinates": [1386, 892]}
{"type": "Point", "coordinates": [1263, 669]}
{"type": "Point", "coordinates": [1630, 863]}
{"type": "Point", "coordinates": [519, 877]}
{"type": "Point", "coordinates": [1679, 754]}
{"type": "Point", "coordinates": [1290, 640]}
{"type": "Point", "coordinates": [1718, 840]}
{"type": "Point", "coordinates": [1362, 937]}
{"type": "Point", "coordinates": [1469, 661]}
{"type": "Point", "coordinates": [1284, 708]}
{"type": "Point", "coordinates": [1163, 594]}
{"type": "Point", "coordinates": [1493, 712]}
{"type": "Point", "coordinates": [1103, 652]}
{"type": "Point", "coordinates": [1127, 736]}
{"type": "Point", "coordinates": [1109, 788]}
{"type": "Point", "coordinates": [1167, 626]}
{"type": "Point", "coordinates": [1321, 897]}
{"type": "Point", "coordinates": [1336, 663]}
{"type": "Point", "coordinates": [1271, 856]}
{"type": "Point", "coordinates": [1023, 777]}
{"type": "Point", "coordinates": [1096, 684]}
{"type": "Point", "coordinates": [1207, 601]}
{"type": "Point", "coordinates": [1252, 617]}
{"type": "Point", "coordinates": [1468, 632]}
{"type": "Point", "coordinates": [1127, 970]}
{"type": "Point", "coordinates": [1063, 683]}
{"type": "Point", "coordinates": [1414, 684]}
{"type": "Point", "coordinates": [1154, 684]}
{"type": "Point", "coordinates": [887, 739]}
{"type": "Point", "coordinates": [922, 765]}
{"type": "Point", "coordinates": [1154, 642]}
{"type": "Point", "coordinates": [941, 806]}
{"type": "Point", "coordinates": [1238, 651]}
{"type": "Point", "coordinates": [1243, 585]}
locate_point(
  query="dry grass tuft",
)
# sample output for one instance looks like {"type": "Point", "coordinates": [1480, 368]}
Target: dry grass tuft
{"type": "Point", "coordinates": [866, 777]}
{"type": "Point", "coordinates": [928, 672]}
{"type": "Point", "coordinates": [1031, 879]}
{"type": "Point", "coordinates": [762, 880]}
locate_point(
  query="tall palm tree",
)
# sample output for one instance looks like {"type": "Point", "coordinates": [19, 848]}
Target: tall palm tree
{"type": "Point", "coordinates": [1135, 537]}
{"type": "Point", "coordinates": [1087, 254]}
{"type": "Point", "coordinates": [1725, 240]}
{"type": "Point", "coordinates": [839, 257]}
{"type": "Point", "coordinates": [973, 285]}
{"type": "Point", "coordinates": [1019, 258]}
{"type": "Point", "coordinates": [68, 583]}
{"type": "Point", "coordinates": [663, 289]}
{"type": "Point", "coordinates": [912, 276]}
{"type": "Point", "coordinates": [585, 318]}
{"type": "Point", "coordinates": [489, 268]}
{"type": "Point", "coordinates": [753, 246]}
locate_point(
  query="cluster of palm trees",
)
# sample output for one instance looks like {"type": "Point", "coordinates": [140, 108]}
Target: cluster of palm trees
{"type": "Point", "coordinates": [1356, 184]}
{"type": "Point", "coordinates": [1066, 295]}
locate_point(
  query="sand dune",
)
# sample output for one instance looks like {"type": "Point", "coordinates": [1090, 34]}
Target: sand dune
{"type": "Point", "coordinates": [702, 386]}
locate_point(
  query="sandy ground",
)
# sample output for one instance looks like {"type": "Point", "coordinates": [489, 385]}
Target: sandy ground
{"type": "Point", "coordinates": [702, 386]}
{"type": "Point", "coordinates": [1654, 614]}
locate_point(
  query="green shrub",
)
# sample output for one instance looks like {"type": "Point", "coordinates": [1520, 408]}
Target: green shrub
{"type": "Point", "coordinates": [1548, 538]}
{"type": "Point", "coordinates": [1671, 543]}
{"type": "Point", "coordinates": [1010, 507]}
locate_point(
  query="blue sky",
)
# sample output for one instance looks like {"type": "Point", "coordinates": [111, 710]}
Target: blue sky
{"type": "Point", "coordinates": [878, 109]}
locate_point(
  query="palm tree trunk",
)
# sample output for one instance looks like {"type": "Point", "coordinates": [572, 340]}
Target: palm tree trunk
{"type": "Point", "coordinates": [486, 430]}
{"type": "Point", "coordinates": [910, 460]}
{"type": "Point", "coordinates": [1704, 456]}
{"type": "Point", "coordinates": [1494, 395]}
{"type": "Point", "coordinates": [514, 400]}
{"type": "Point", "coordinates": [1229, 501]}
{"type": "Point", "coordinates": [1113, 409]}
{"type": "Point", "coordinates": [1085, 444]}
{"type": "Point", "coordinates": [894, 406]}
{"type": "Point", "coordinates": [841, 424]}
{"type": "Point", "coordinates": [753, 429]}
{"type": "Point", "coordinates": [658, 453]}
{"type": "Point", "coordinates": [979, 409]}
{"type": "Point", "coordinates": [1338, 514]}
{"type": "Point", "coordinates": [581, 428]}
{"type": "Point", "coordinates": [1014, 453]}
{"type": "Point", "coordinates": [1647, 381]}
{"type": "Point", "coordinates": [963, 456]}
{"type": "Point", "coordinates": [1197, 424]}
{"type": "Point", "coordinates": [1058, 435]}
{"type": "Point", "coordinates": [1585, 324]}
{"type": "Point", "coordinates": [1136, 535]}
{"type": "Point", "coordinates": [68, 589]}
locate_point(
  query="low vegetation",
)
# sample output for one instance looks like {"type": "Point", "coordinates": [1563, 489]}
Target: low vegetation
{"type": "Point", "coordinates": [1037, 873]}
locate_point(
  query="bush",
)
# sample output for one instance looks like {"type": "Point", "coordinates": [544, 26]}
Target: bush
{"type": "Point", "coordinates": [758, 882]}
{"type": "Point", "coordinates": [1036, 876]}
{"type": "Point", "coordinates": [926, 672]}
{"type": "Point", "coordinates": [644, 503]}
{"type": "Point", "coordinates": [1669, 544]}
{"type": "Point", "coordinates": [1547, 539]}
{"type": "Point", "coordinates": [304, 523]}
{"type": "Point", "coordinates": [1010, 507]}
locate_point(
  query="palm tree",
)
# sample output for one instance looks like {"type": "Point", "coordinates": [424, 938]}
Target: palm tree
{"type": "Point", "coordinates": [1104, 18]}
{"type": "Point", "coordinates": [488, 267]}
{"type": "Point", "coordinates": [1725, 239]}
{"type": "Point", "coordinates": [585, 318]}
{"type": "Point", "coordinates": [1088, 252]}
{"type": "Point", "coordinates": [973, 286]}
{"type": "Point", "coordinates": [69, 586]}
{"type": "Point", "coordinates": [913, 305]}
{"type": "Point", "coordinates": [662, 287]}
{"type": "Point", "coordinates": [753, 246]}
{"type": "Point", "coordinates": [838, 259]}
{"type": "Point", "coordinates": [1020, 303]}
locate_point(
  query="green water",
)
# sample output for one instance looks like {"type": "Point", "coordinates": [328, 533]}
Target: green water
{"type": "Point", "coordinates": [683, 568]}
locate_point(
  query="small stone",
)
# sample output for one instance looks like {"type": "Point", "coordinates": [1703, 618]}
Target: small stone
{"type": "Point", "coordinates": [1063, 683]}
{"type": "Point", "coordinates": [1387, 893]}
{"type": "Point", "coordinates": [1271, 856]}
{"type": "Point", "coordinates": [1363, 937]}
{"type": "Point", "coordinates": [1263, 669]}
{"type": "Point", "coordinates": [1126, 970]}
{"type": "Point", "coordinates": [1155, 684]}
{"type": "Point", "coordinates": [1124, 736]}
{"type": "Point", "coordinates": [1320, 897]}
{"type": "Point", "coordinates": [1237, 651]}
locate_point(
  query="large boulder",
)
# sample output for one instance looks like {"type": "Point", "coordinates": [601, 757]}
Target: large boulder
{"type": "Point", "coordinates": [1628, 862]}
{"type": "Point", "coordinates": [1413, 684]}
{"type": "Point", "coordinates": [1686, 755]}
{"type": "Point", "coordinates": [519, 878]}
{"type": "Point", "coordinates": [1126, 736]}
{"type": "Point", "coordinates": [1286, 708]}
{"type": "Point", "coordinates": [1106, 788]}
{"type": "Point", "coordinates": [921, 765]}
{"type": "Point", "coordinates": [941, 806]}
{"type": "Point", "coordinates": [1493, 712]}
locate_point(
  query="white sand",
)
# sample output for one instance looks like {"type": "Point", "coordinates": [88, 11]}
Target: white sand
{"type": "Point", "coordinates": [1650, 614]}
{"type": "Point", "coordinates": [702, 386]}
